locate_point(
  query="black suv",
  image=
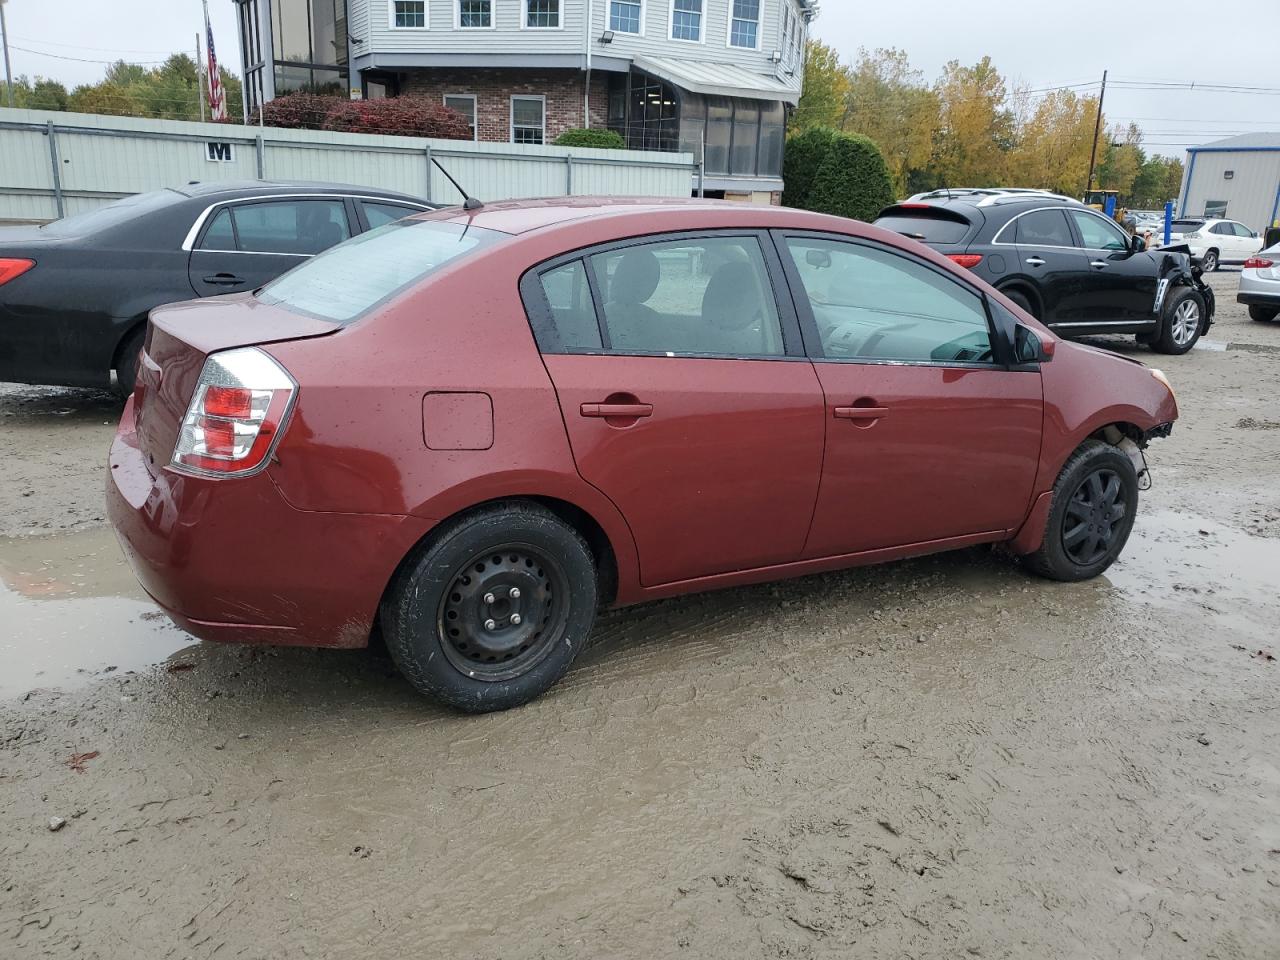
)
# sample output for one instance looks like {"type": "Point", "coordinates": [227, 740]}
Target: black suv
{"type": "Point", "coordinates": [1067, 265]}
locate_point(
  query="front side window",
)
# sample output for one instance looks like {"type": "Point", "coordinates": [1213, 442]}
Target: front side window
{"type": "Point", "coordinates": [686, 20]}
{"type": "Point", "coordinates": [1098, 234]}
{"type": "Point", "coordinates": [542, 14]}
{"type": "Point", "coordinates": [744, 25]}
{"type": "Point", "coordinates": [299, 227]}
{"type": "Point", "coordinates": [869, 304]}
{"type": "Point", "coordinates": [409, 14]}
{"type": "Point", "coordinates": [1242, 231]}
{"type": "Point", "coordinates": [528, 117]}
{"type": "Point", "coordinates": [1040, 228]}
{"type": "Point", "coordinates": [624, 16]}
{"type": "Point", "coordinates": [343, 283]}
{"type": "Point", "coordinates": [475, 13]}
{"type": "Point", "coordinates": [709, 296]}
{"type": "Point", "coordinates": [465, 104]}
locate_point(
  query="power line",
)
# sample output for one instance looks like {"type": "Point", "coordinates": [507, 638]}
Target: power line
{"type": "Point", "coordinates": [58, 56]}
{"type": "Point", "coordinates": [77, 46]}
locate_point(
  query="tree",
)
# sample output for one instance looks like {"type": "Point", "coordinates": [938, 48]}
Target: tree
{"type": "Point", "coordinates": [1053, 143]}
{"type": "Point", "coordinates": [1121, 159]}
{"type": "Point", "coordinates": [595, 139]}
{"type": "Point", "coordinates": [826, 87]}
{"type": "Point", "coordinates": [977, 129]}
{"type": "Point", "coordinates": [889, 101]}
{"type": "Point", "coordinates": [803, 156]}
{"type": "Point", "coordinates": [852, 181]}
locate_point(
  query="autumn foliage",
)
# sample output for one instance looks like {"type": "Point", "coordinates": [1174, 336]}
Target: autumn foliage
{"type": "Point", "coordinates": [398, 116]}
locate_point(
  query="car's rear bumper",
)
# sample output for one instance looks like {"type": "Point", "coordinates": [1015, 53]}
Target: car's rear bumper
{"type": "Point", "coordinates": [231, 560]}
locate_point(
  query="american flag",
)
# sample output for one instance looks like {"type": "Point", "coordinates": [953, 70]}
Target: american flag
{"type": "Point", "coordinates": [217, 96]}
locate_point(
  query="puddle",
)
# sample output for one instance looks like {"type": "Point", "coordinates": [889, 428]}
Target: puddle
{"type": "Point", "coordinates": [72, 611]}
{"type": "Point", "coordinates": [1174, 560]}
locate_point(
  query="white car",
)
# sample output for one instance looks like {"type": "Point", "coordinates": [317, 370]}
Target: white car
{"type": "Point", "coordinates": [1260, 284]}
{"type": "Point", "coordinates": [1215, 242]}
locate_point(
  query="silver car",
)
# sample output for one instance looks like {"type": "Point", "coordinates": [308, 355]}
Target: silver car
{"type": "Point", "coordinates": [1260, 284]}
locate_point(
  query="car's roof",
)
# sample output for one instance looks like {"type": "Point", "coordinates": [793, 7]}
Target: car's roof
{"type": "Point", "coordinates": [218, 189]}
{"type": "Point", "coordinates": [523, 216]}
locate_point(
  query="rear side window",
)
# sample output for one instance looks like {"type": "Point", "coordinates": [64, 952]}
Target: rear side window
{"type": "Point", "coordinates": [348, 280]}
{"type": "Point", "coordinates": [569, 296]}
{"type": "Point", "coordinates": [925, 228]}
{"type": "Point", "coordinates": [219, 235]}
{"type": "Point", "coordinates": [379, 213]}
{"type": "Point", "coordinates": [1040, 228]}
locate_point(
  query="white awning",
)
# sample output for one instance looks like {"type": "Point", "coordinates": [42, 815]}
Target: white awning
{"type": "Point", "coordinates": [718, 79]}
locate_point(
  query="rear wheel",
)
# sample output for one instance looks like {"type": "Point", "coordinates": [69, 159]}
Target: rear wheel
{"type": "Point", "coordinates": [1094, 503]}
{"type": "Point", "coordinates": [494, 610]}
{"type": "Point", "coordinates": [1264, 314]}
{"type": "Point", "coordinates": [1021, 299]}
{"type": "Point", "coordinates": [127, 364]}
{"type": "Point", "coordinates": [1183, 320]}
{"type": "Point", "coordinates": [1209, 262]}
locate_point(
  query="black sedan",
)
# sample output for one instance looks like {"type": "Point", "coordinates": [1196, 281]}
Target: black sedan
{"type": "Point", "coordinates": [74, 293]}
{"type": "Point", "coordinates": [1067, 265]}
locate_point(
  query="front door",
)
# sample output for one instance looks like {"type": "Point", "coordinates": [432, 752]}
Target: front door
{"type": "Point", "coordinates": [1120, 284]}
{"type": "Point", "coordinates": [243, 245]}
{"type": "Point", "coordinates": [929, 435]}
{"type": "Point", "coordinates": [686, 399]}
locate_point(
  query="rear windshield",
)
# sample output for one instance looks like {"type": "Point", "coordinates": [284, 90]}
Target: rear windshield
{"type": "Point", "coordinates": [1184, 226]}
{"type": "Point", "coordinates": [112, 214]}
{"type": "Point", "coordinates": [346, 281]}
{"type": "Point", "coordinates": [925, 228]}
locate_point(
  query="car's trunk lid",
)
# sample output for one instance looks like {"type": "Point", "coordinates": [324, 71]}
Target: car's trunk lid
{"type": "Point", "coordinates": [179, 338]}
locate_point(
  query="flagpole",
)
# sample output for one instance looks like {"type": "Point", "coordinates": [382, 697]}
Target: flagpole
{"type": "Point", "coordinates": [199, 77]}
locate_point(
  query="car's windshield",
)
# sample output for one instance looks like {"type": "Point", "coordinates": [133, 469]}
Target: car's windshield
{"type": "Point", "coordinates": [346, 281]}
{"type": "Point", "coordinates": [113, 214]}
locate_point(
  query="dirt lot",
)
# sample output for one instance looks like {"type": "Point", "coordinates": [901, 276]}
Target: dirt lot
{"type": "Point", "coordinates": [938, 758]}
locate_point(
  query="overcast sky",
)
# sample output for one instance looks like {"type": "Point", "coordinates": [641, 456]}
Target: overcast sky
{"type": "Point", "coordinates": [1044, 45]}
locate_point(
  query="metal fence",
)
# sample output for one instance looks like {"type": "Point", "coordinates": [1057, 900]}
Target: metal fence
{"type": "Point", "coordinates": [55, 164]}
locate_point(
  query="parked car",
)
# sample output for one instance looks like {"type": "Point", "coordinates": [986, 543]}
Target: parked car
{"type": "Point", "coordinates": [1215, 242]}
{"type": "Point", "coordinates": [1069, 266]}
{"type": "Point", "coordinates": [977, 193]}
{"type": "Point", "coordinates": [74, 293]}
{"type": "Point", "coordinates": [476, 427]}
{"type": "Point", "coordinates": [1260, 284]}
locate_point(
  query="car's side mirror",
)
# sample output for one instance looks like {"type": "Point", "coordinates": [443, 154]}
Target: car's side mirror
{"type": "Point", "coordinates": [1030, 347]}
{"type": "Point", "coordinates": [817, 258]}
{"type": "Point", "coordinates": [1137, 244]}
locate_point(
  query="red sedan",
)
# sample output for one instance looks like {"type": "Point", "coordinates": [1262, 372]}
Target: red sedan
{"type": "Point", "coordinates": [475, 427]}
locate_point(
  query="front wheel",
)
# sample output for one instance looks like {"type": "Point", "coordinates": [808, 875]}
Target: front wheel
{"type": "Point", "coordinates": [494, 610]}
{"type": "Point", "coordinates": [1263, 314]}
{"type": "Point", "coordinates": [1095, 501]}
{"type": "Point", "coordinates": [1183, 320]}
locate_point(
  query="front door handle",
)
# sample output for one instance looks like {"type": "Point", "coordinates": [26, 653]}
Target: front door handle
{"type": "Point", "coordinates": [1035, 261]}
{"type": "Point", "coordinates": [627, 411]}
{"type": "Point", "coordinates": [861, 413]}
{"type": "Point", "coordinates": [1098, 264]}
{"type": "Point", "coordinates": [224, 280]}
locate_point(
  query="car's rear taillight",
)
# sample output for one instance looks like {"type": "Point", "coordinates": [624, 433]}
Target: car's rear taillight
{"type": "Point", "coordinates": [11, 267]}
{"type": "Point", "coordinates": [969, 260]}
{"type": "Point", "coordinates": [1258, 263]}
{"type": "Point", "coordinates": [237, 414]}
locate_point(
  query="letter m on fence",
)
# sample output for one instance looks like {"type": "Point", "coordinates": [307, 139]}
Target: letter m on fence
{"type": "Point", "coordinates": [219, 151]}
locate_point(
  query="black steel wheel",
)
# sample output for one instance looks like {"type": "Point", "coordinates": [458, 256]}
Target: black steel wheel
{"type": "Point", "coordinates": [493, 608]}
{"type": "Point", "coordinates": [1095, 500]}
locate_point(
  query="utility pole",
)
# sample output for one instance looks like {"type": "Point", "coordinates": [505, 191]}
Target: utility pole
{"type": "Point", "coordinates": [8, 71]}
{"type": "Point", "coordinates": [1097, 128]}
{"type": "Point", "coordinates": [199, 77]}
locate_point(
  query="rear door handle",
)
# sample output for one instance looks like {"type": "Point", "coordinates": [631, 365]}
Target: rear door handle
{"type": "Point", "coordinates": [861, 413]}
{"type": "Point", "coordinates": [224, 280]}
{"type": "Point", "coordinates": [620, 410]}
{"type": "Point", "coordinates": [1035, 261]}
{"type": "Point", "coordinates": [1098, 264]}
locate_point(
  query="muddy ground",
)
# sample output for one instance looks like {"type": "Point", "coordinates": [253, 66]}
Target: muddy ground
{"type": "Point", "coordinates": [937, 758]}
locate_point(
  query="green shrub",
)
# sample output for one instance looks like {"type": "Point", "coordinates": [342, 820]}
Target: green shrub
{"type": "Point", "coordinates": [804, 155]}
{"type": "Point", "coordinates": [594, 139]}
{"type": "Point", "coordinates": [852, 180]}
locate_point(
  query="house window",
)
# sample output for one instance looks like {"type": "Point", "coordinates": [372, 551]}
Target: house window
{"type": "Point", "coordinates": [624, 16]}
{"type": "Point", "coordinates": [475, 13]}
{"type": "Point", "coordinates": [744, 25]}
{"type": "Point", "coordinates": [409, 14]}
{"type": "Point", "coordinates": [465, 104]}
{"type": "Point", "coordinates": [686, 20]}
{"type": "Point", "coordinates": [528, 119]}
{"type": "Point", "coordinates": [542, 14]}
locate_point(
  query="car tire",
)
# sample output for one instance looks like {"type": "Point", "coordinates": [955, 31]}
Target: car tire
{"type": "Point", "coordinates": [127, 366]}
{"type": "Point", "coordinates": [1021, 299]}
{"type": "Point", "coordinates": [1263, 314]}
{"type": "Point", "coordinates": [1209, 262]}
{"type": "Point", "coordinates": [1183, 322]}
{"type": "Point", "coordinates": [1095, 500]}
{"type": "Point", "coordinates": [493, 609]}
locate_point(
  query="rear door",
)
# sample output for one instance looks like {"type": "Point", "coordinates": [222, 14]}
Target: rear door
{"type": "Point", "coordinates": [244, 244]}
{"type": "Point", "coordinates": [1047, 255]}
{"type": "Point", "coordinates": [686, 396]}
{"type": "Point", "coordinates": [932, 434]}
{"type": "Point", "coordinates": [1120, 284]}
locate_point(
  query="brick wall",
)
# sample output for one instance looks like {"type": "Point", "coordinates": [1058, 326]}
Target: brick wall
{"type": "Point", "coordinates": [493, 90]}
